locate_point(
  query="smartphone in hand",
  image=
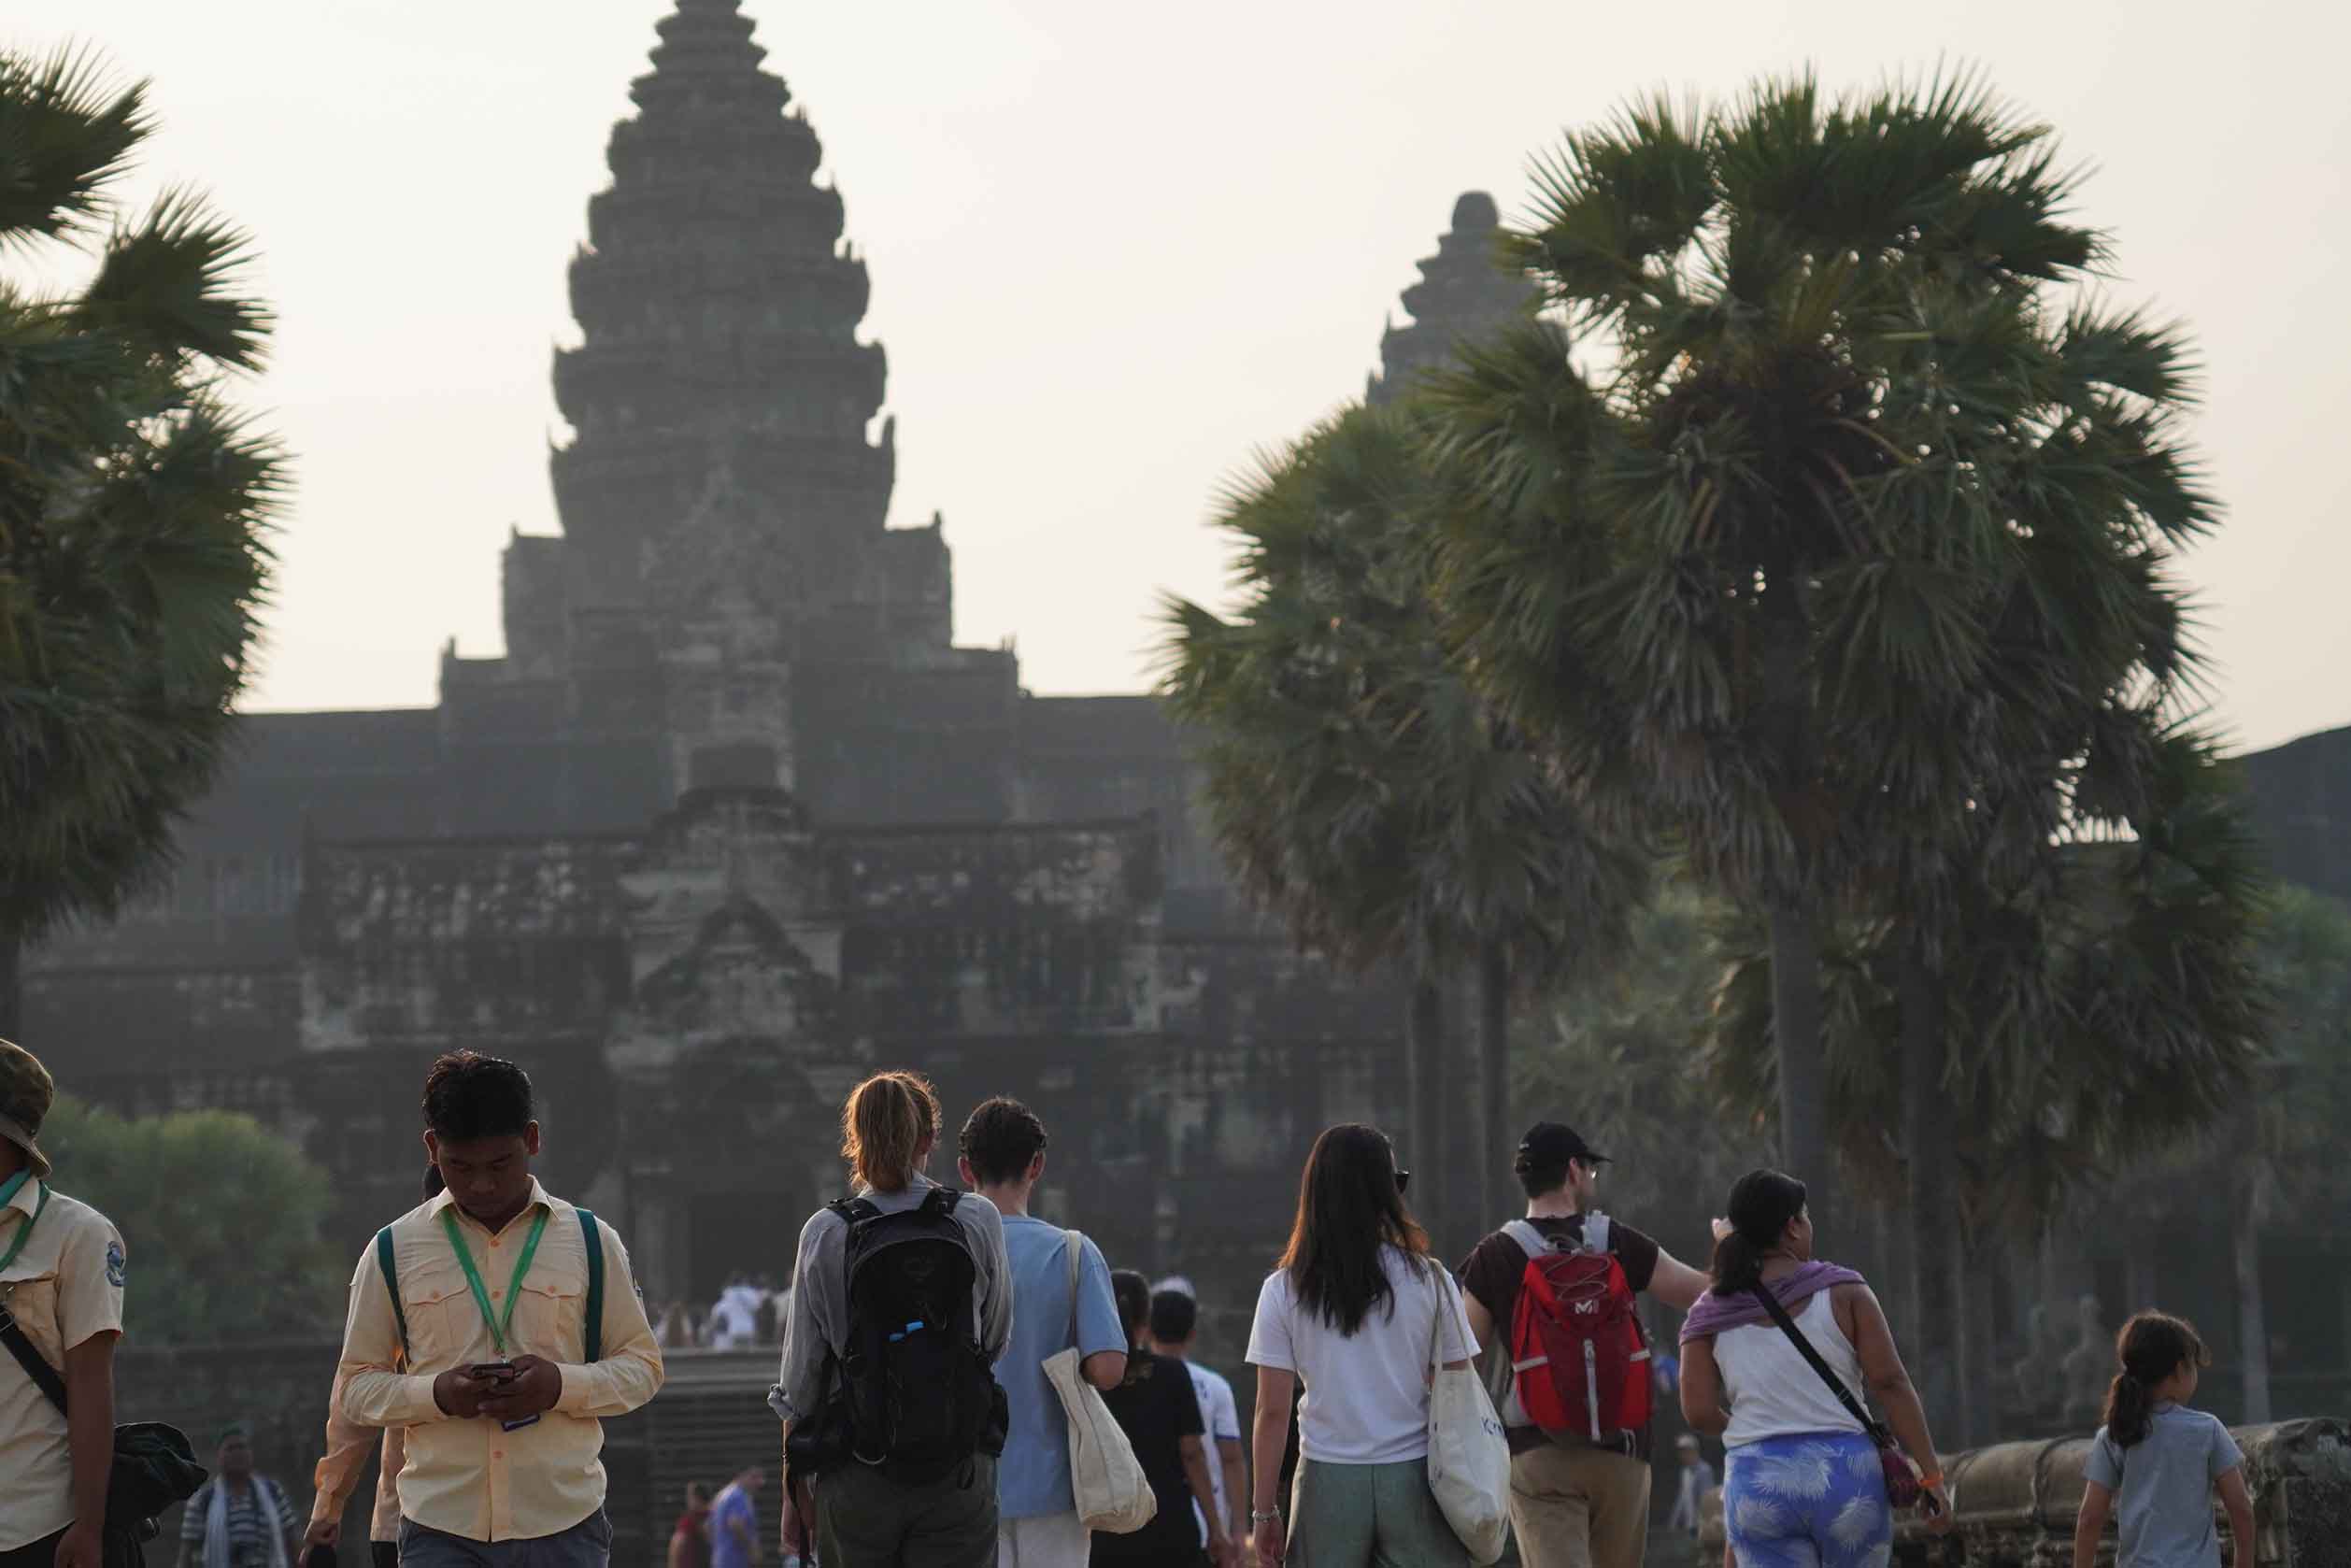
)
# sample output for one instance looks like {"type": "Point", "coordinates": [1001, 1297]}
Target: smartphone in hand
{"type": "Point", "coordinates": [491, 1371]}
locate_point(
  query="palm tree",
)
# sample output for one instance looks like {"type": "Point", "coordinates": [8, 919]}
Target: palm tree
{"type": "Point", "coordinates": [1834, 442]}
{"type": "Point", "coordinates": [2276, 1150]}
{"type": "Point", "coordinates": [2100, 1005]}
{"type": "Point", "coordinates": [132, 504]}
{"type": "Point", "coordinates": [1354, 781]}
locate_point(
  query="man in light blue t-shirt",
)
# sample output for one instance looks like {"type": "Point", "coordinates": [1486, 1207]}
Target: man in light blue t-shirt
{"type": "Point", "coordinates": [1037, 1513]}
{"type": "Point", "coordinates": [732, 1527]}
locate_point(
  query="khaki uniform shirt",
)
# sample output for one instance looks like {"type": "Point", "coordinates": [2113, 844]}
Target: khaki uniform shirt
{"type": "Point", "coordinates": [472, 1478]}
{"type": "Point", "coordinates": [66, 1289]}
{"type": "Point", "coordinates": [346, 1447]}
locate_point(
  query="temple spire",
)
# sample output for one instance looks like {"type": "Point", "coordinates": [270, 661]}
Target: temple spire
{"type": "Point", "coordinates": [1463, 293]}
{"type": "Point", "coordinates": [719, 312]}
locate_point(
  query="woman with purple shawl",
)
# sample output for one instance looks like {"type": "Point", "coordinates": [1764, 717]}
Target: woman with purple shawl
{"type": "Point", "coordinates": [1803, 1483]}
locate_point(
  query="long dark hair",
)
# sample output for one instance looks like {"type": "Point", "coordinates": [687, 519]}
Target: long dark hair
{"type": "Point", "coordinates": [1349, 1209]}
{"type": "Point", "coordinates": [1133, 1293]}
{"type": "Point", "coordinates": [2151, 1346]}
{"type": "Point", "coordinates": [1760, 1205]}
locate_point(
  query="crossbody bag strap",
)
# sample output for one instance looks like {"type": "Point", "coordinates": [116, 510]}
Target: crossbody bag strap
{"type": "Point", "coordinates": [1828, 1374]}
{"type": "Point", "coordinates": [1072, 1242]}
{"type": "Point", "coordinates": [43, 1375]}
{"type": "Point", "coordinates": [12, 1332]}
{"type": "Point", "coordinates": [1443, 1282]}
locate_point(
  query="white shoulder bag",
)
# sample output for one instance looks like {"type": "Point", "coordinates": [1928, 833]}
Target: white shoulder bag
{"type": "Point", "coordinates": [1113, 1493]}
{"type": "Point", "coordinates": [1469, 1458]}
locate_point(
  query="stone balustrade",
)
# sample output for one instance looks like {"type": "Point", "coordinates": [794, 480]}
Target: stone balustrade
{"type": "Point", "coordinates": [2015, 1503]}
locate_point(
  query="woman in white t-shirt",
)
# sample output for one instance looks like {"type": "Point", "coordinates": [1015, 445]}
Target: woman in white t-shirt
{"type": "Point", "coordinates": [1354, 1312]}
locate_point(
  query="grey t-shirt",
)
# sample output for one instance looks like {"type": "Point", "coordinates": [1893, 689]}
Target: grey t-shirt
{"type": "Point", "coordinates": [2163, 1486]}
{"type": "Point", "coordinates": [818, 1325]}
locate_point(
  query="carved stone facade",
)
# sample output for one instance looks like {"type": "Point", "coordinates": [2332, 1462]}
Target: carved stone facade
{"type": "Point", "coordinates": [733, 821]}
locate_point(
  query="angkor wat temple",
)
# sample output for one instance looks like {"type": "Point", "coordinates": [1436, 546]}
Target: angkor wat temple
{"type": "Point", "coordinates": [733, 819]}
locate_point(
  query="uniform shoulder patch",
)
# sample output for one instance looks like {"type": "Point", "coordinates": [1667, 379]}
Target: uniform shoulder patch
{"type": "Point", "coordinates": [117, 1265]}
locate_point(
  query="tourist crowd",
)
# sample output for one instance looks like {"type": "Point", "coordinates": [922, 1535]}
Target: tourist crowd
{"type": "Point", "coordinates": [964, 1382]}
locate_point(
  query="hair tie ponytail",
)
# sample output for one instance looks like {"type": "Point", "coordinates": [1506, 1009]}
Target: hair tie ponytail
{"type": "Point", "coordinates": [2150, 1349]}
{"type": "Point", "coordinates": [2129, 1413]}
{"type": "Point", "coordinates": [1761, 1206]}
{"type": "Point", "coordinates": [1738, 1264]}
{"type": "Point", "coordinates": [884, 1125]}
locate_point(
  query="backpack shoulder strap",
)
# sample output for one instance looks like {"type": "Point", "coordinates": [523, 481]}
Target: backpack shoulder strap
{"type": "Point", "coordinates": [1596, 1231]}
{"type": "Point", "coordinates": [386, 1261]}
{"type": "Point", "coordinates": [592, 1326]}
{"type": "Point", "coordinates": [1072, 1244]}
{"type": "Point", "coordinates": [941, 1199]}
{"type": "Point", "coordinates": [1531, 1242]}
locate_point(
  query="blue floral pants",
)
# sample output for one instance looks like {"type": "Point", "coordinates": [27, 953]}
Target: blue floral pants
{"type": "Point", "coordinates": [1817, 1499]}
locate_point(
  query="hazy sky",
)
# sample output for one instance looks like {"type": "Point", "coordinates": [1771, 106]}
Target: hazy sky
{"type": "Point", "coordinates": [1115, 246]}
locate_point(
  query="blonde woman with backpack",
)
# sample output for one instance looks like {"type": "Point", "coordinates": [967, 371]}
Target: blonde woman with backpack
{"type": "Point", "coordinates": [901, 1287]}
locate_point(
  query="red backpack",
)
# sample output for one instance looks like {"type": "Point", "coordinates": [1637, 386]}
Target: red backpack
{"type": "Point", "coordinates": [1579, 1362]}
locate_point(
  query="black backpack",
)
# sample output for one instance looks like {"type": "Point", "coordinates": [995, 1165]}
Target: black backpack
{"type": "Point", "coordinates": [917, 1397]}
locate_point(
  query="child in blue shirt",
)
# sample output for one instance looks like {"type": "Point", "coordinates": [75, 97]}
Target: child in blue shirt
{"type": "Point", "coordinates": [2155, 1464]}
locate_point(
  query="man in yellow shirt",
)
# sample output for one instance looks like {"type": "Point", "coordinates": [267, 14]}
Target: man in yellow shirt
{"type": "Point", "coordinates": [488, 1355]}
{"type": "Point", "coordinates": [61, 1280]}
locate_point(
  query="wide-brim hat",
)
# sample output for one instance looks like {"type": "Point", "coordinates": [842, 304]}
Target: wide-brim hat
{"type": "Point", "coordinates": [26, 1093]}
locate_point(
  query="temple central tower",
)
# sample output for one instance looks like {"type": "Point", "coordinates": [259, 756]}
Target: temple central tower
{"type": "Point", "coordinates": [718, 308]}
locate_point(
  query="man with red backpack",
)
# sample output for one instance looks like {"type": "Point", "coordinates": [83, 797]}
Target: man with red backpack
{"type": "Point", "coordinates": [1552, 1300]}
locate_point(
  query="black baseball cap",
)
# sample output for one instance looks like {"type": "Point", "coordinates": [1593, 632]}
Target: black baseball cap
{"type": "Point", "coordinates": [1555, 1143]}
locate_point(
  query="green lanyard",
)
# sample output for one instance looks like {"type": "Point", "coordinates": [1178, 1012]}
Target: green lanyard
{"type": "Point", "coordinates": [24, 1231]}
{"type": "Point", "coordinates": [498, 1323]}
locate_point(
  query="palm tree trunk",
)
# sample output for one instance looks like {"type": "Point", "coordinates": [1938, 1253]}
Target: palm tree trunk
{"type": "Point", "coordinates": [1959, 1388]}
{"type": "Point", "coordinates": [2253, 1329]}
{"type": "Point", "coordinates": [1804, 1134]}
{"type": "Point", "coordinates": [1980, 1308]}
{"type": "Point", "coordinates": [1932, 1212]}
{"type": "Point", "coordinates": [1493, 1099]}
{"type": "Point", "coordinates": [11, 985]}
{"type": "Point", "coordinates": [1424, 1037]}
{"type": "Point", "coordinates": [1898, 1242]}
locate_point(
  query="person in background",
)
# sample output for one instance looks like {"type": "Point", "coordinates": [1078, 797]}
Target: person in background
{"type": "Point", "coordinates": [503, 1407]}
{"type": "Point", "coordinates": [1002, 1160]}
{"type": "Point", "coordinates": [240, 1518]}
{"type": "Point", "coordinates": [735, 1316]}
{"type": "Point", "coordinates": [1690, 1494]}
{"type": "Point", "coordinates": [1573, 1503]}
{"type": "Point", "coordinates": [734, 1521]}
{"type": "Point", "coordinates": [2156, 1463]}
{"type": "Point", "coordinates": [347, 1446]}
{"type": "Point", "coordinates": [1158, 1410]}
{"type": "Point", "coordinates": [1355, 1311]}
{"type": "Point", "coordinates": [1174, 1317]}
{"type": "Point", "coordinates": [689, 1543]}
{"type": "Point", "coordinates": [62, 1267]}
{"type": "Point", "coordinates": [1802, 1478]}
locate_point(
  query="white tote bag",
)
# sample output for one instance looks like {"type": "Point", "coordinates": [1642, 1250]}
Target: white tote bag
{"type": "Point", "coordinates": [1469, 1458]}
{"type": "Point", "coordinates": [1113, 1493]}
